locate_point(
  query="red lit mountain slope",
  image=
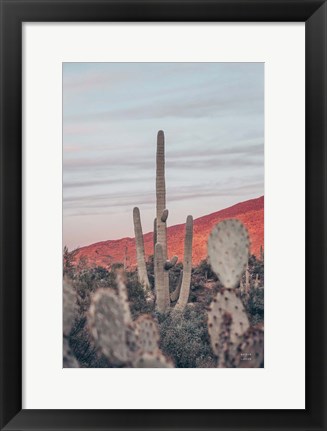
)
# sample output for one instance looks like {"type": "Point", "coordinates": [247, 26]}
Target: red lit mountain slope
{"type": "Point", "coordinates": [250, 212]}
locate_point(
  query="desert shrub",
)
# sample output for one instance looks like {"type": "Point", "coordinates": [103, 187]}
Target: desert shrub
{"type": "Point", "coordinates": [256, 267]}
{"type": "Point", "coordinates": [83, 349]}
{"type": "Point", "coordinates": [255, 305]}
{"type": "Point", "coordinates": [205, 269]}
{"type": "Point", "coordinates": [137, 299]}
{"type": "Point", "coordinates": [185, 339]}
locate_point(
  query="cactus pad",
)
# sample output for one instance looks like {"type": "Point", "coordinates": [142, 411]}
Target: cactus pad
{"type": "Point", "coordinates": [69, 360]}
{"type": "Point", "coordinates": [250, 351]}
{"type": "Point", "coordinates": [69, 307]}
{"type": "Point", "coordinates": [107, 326]}
{"type": "Point", "coordinates": [123, 296]}
{"type": "Point", "coordinates": [148, 333]}
{"type": "Point", "coordinates": [153, 360]}
{"type": "Point", "coordinates": [228, 251]}
{"type": "Point", "coordinates": [226, 302]}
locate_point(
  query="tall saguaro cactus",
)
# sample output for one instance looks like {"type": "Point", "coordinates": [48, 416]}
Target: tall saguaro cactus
{"type": "Point", "coordinates": [162, 265]}
{"type": "Point", "coordinates": [161, 194]}
{"type": "Point", "coordinates": [162, 289]}
{"type": "Point", "coordinates": [140, 255]}
{"type": "Point", "coordinates": [187, 265]}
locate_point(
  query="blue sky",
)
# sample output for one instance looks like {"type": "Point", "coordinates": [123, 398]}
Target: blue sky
{"type": "Point", "coordinates": [213, 118]}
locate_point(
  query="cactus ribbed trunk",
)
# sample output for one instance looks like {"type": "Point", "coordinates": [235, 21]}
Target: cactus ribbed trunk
{"type": "Point", "coordinates": [160, 279]}
{"type": "Point", "coordinates": [140, 255]}
{"type": "Point", "coordinates": [187, 265]}
{"type": "Point", "coordinates": [154, 235]}
{"type": "Point", "coordinates": [160, 210]}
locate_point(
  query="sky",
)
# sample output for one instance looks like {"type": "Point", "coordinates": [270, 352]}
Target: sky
{"type": "Point", "coordinates": [213, 118]}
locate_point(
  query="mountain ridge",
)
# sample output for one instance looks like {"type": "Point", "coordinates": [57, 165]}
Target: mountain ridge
{"type": "Point", "coordinates": [250, 212]}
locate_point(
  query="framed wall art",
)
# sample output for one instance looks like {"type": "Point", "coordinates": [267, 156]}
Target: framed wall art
{"type": "Point", "coordinates": [163, 215]}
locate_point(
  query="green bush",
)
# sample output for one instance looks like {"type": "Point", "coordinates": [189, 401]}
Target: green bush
{"type": "Point", "coordinates": [137, 299]}
{"type": "Point", "coordinates": [185, 339]}
{"type": "Point", "coordinates": [255, 305]}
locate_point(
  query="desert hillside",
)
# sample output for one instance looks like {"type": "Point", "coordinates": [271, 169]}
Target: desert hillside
{"type": "Point", "coordinates": [250, 212]}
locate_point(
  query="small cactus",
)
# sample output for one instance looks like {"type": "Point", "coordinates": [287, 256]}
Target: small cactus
{"type": "Point", "coordinates": [140, 255]}
{"type": "Point", "coordinates": [123, 296]}
{"type": "Point", "coordinates": [228, 250]}
{"type": "Point", "coordinates": [187, 266]}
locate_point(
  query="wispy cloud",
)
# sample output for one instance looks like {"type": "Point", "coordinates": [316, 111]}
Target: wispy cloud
{"type": "Point", "coordinates": [213, 118]}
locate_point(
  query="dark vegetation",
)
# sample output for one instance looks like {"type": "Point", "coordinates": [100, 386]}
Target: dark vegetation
{"type": "Point", "coordinates": [184, 338]}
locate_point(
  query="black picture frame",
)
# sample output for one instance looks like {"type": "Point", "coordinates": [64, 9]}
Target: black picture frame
{"type": "Point", "coordinates": [13, 14]}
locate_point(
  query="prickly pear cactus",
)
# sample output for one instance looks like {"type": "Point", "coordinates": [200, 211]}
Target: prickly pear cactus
{"type": "Point", "coordinates": [106, 320]}
{"type": "Point", "coordinates": [69, 307]}
{"type": "Point", "coordinates": [69, 360]}
{"type": "Point", "coordinates": [250, 350]}
{"type": "Point", "coordinates": [153, 360]}
{"type": "Point", "coordinates": [228, 251]}
{"type": "Point", "coordinates": [148, 333]}
{"type": "Point", "coordinates": [225, 303]}
{"type": "Point", "coordinates": [123, 297]}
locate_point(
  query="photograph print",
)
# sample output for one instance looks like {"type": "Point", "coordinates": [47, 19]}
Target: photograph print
{"type": "Point", "coordinates": [163, 215]}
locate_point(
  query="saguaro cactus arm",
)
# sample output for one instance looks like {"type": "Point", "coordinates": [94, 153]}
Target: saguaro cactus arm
{"type": "Point", "coordinates": [187, 265]}
{"type": "Point", "coordinates": [171, 263]}
{"type": "Point", "coordinates": [175, 294]}
{"type": "Point", "coordinates": [140, 255]}
{"type": "Point", "coordinates": [164, 215]}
